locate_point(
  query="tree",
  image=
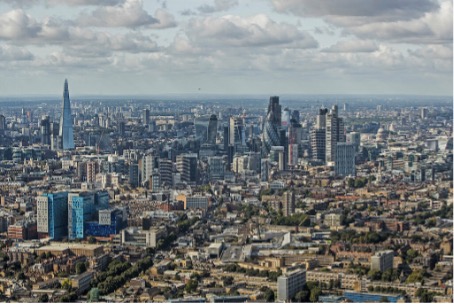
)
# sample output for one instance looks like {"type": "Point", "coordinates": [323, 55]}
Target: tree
{"type": "Point", "coordinates": [191, 286]}
{"type": "Point", "coordinates": [269, 296]}
{"type": "Point", "coordinates": [66, 284]}
{"type": "Point", "coordinates": [80, 268]}
{"type": "Point", "coordinates": [302, 296]}
{"type": "Point", "coordinates": [315, 293]}
{"type": "Point", "coordinates": [43, 298]}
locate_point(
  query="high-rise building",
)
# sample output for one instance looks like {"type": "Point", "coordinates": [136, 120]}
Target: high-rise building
{"type": "Point", "coordinates": [81, 208]}
{"type": "Point", "coordinates": [334, 133]}
{"type": "Point", "coordinates": [52, 215]}
{"type": "Point", "coordinates": [236, 131]}
{"type": "Point", "coordinates": [354, 138]}
{"type": "Point", "coordinates": [289, 284]}
{"type": "Point", "coordinates": [272, 126]}
{"type": "Point", "coordinates": [345, 159]}
{"type": "Point", "coordinates": [382, 260]}
{"type": "Point", "coordinates": [216, 167]}
{"type": "Point", "coordinates": [55, 139]}
{"type": "Point", "coordinates": [66, 123]}
{"type": "Point", "coordinates": [134, 174]}
{"type": "Point", "coordinates": [2, 124]}
{"type": "Point", "coordinates": [212, 129]}
{"type": "Point", "coordinates": [45, 131]}
{"type": "Point", "coordinates": [92, 170]}
{"type": "Point", "coordinates": [226, 138]}
{"type": "Point", "coordinates": [148, 165]}
{"type": "Point", "coordinates": [293, 155]}
{"type": "Point", "coordinates": [146, 117]}
{"type": "Point", "coordinates": [288, 203]}
{"type": "Point", "coordinates": [424, 113]}
{"type": "Point", "coordinates": [264, 169]}
{"type": "Point", "coordinates": [187, 166]}
{"type": "Point", "coordinates": [165, 172]}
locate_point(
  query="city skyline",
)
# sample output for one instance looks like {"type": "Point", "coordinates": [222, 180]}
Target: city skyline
{"type": "Point", "coordinates": [226, 46]}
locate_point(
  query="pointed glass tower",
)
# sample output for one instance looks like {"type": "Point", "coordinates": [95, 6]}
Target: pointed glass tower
{"type": "Point", "coordinates": [66, 125]}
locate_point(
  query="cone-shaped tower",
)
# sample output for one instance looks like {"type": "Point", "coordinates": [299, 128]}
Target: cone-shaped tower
{"type": "Point", "coordinates": [66, 125]}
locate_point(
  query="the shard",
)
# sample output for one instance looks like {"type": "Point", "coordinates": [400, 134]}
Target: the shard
{"type": "Point", "coordinates": [66, 125]}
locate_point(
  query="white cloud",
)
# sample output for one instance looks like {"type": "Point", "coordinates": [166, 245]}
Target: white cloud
{"type": "Point", "coordinates": [217, 6]}
{"type": "Point", "coordinates": [236, 31]}
{"type": "Point", "coordinates": [352, 46]}
{"type": "Point", "coordinates": [13, 53]}
{"type": "Point", "coordinates": [128, 14]}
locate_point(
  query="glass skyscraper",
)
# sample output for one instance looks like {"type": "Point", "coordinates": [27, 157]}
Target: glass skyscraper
{"type": "Point", "coordinates": [272, 126]}
{"type": "Point", "coordinates": [66, 125]}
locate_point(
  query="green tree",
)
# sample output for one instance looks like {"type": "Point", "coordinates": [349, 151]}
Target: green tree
{"type": "Point", "coordinates": [315, 293]}
{"type": "Point", "coordinates": [302, 296]}
{"type": "Point", "coordinates": [80, 268]}
{"type": "Point", "coordinates": [66, 284]}
{"type": "Point", "coordinates": [191, 286]}
{"type": "Point", "coordinates": [43, 298]}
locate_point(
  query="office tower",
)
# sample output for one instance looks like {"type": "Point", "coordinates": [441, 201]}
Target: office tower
{"type": "Point", "coordinates": [296, 116]}
{"type": "Point", "coordinates": [212, 129]}
{"type": "Point", "coordinates": [424, 112]}
{"type": "Point", "coordinates": [288, 203]}
{"type": "Point", "coordinates": [121, 128]}
{"type": "Point", "coordinates": [155, 181]}
{"type": "Point", "coordinates": [382, 260]}
{"type": "Point", "coordinates": [292, 155]}
{"type": "Point", "coordinates": [272, 126]}
{"type": "Point", "coordinates": [318, 136]}
{"type": "Point", "coordinates": [2, 124]}
{"type": "Point", "coordinates": [134, 174]}
{"type": "Point", "coordinates": [334, 133]}
{"type": "Point", "coordinates": [187, 166]}
{"type": "Point", "coordinates": [66, 123]}
{"type": "Point", "coordinates": [345, 159]}
{"type": "Point", "coordinates": [289, 284]}
{"type": "Point", "coordinates": [230, 155]}
{"type": "Point", "coordinates": [52, 215]}
{"type": "Point", "coordinates": [236, 131]}
{"type": "Point", "coordinates": [216, 167]}
{"type": "Point", "coordinates": [45, 131]}
{"type": "Point", "coordinates": [226, 138]}
{"type": "Point", "coordinates": [354, 138]}
{"type": "Point", "coordinates": [145, 116]}
{"type": "Point", "coordinates": [55, 140]}
{"type": "Point", "coordinates": [148, 165]}
{"type": "Point", "coordinates": [286, 118]}
{"type": "Point", "coordinates": [345, 107]}
{"type": "Point", "coordinates": [284, 143]}
{"type": "Point", "coordinates": [81, 208]}
{"type": "Point", "coordinates": [165, 172]}
{"type": "Point", "coordinates": [264, 169]}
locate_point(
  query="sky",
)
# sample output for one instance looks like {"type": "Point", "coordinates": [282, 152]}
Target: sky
{"type": "Point", "coordinates": [149, 47]}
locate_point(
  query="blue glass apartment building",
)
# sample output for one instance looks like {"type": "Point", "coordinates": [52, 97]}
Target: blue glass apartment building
{"type": "Point", "coordinates": [52, 215]}
{"type": "Point", "coordinates": [81, 208]}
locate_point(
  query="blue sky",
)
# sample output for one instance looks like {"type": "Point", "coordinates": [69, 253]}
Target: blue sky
{"type": "Point", "coordinates": [148, 47]}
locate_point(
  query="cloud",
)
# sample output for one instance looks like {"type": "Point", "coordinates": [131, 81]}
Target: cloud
{"type": "Point", "coordinates": [29, 3]}
{"type": "Point", "coordinates": [352, 46]}
{"type": "Point", "coordinates": [217, 6]}
{"type": "Point", "coordinates": [128, 14]}
{"type": "Point", "coordinates": [379, 10]}
{"type": "Point", "coordinates": [16, 24]}
{"type": "Point", "coordinates": [165, 19]}
{"type": "Point", "coordinates": [236, 31]}
{"type": "Point", "coordinates": [12, 53]}
{"type": "Point", "coordinates": [406, 21]}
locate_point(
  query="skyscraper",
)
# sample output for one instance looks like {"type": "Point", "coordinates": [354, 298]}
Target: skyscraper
{"type": "Point", "coordinates": [334, 133]}
{"type": "Point", "coordinates": [52, 215]}
{"type": "Point", "coordinates": [66, 125]}
{"type": "Point", "coordinates": [272, 125]}
{"type": "Point", "coordinates": [345, 159]}
{"type": "Point", "coordinates": [45, 131]}
{"type": "Point", "coordinates": [212, 129]}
